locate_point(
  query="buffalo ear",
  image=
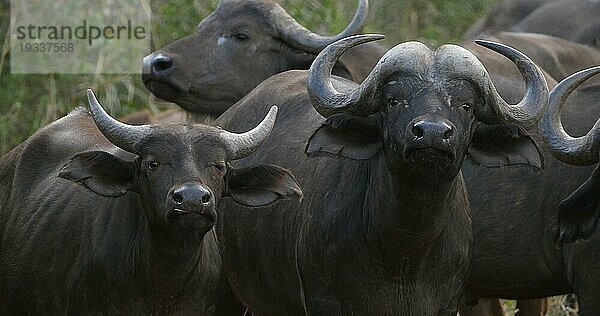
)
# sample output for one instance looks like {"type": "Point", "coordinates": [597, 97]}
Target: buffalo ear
{"type": "Point", "coordinates": [347, 136]}
{"type": "Point", "coordinates": [504, 145]}
{"type": "Point", "coordinates": [261, 185]}
{"type": "Point", "coordinates": [579, 213]}
{"type": "Point", "coordinates": [101, 172]}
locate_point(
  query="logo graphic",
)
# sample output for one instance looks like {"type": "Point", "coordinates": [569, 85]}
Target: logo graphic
{"type": "Point", "coordinates": [79, 36]}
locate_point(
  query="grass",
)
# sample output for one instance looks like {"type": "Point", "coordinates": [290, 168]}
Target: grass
{"type": "Point", "coordinates": [28, 102]}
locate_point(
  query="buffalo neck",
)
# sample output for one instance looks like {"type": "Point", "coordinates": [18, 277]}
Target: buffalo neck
{"type": "Point", "coordinates": [169, 258]}
{"type": "Point", "coordinates": [404, 219]}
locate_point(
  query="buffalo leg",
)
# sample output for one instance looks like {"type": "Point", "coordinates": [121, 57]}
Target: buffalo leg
{"type": "Point", "coordinates": [589, 302]}
{"type": "Point", "coordinates": [586, 277]}
{"type": "Point", "coordinates": [534, 307]}
{"type": "Point", "coordinates": [480, 307]}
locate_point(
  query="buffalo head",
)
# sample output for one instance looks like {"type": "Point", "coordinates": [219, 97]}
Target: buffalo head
{"type": "Point", "coordinates": [235, 48]}
{"type": "Point", "coordinates": [425, 109]}
{"type": "Point", "coordinates": [578, 214]}
{"type": "Point", "coordinates": [180, 171]}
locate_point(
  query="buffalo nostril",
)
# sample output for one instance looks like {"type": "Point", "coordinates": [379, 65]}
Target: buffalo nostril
{"type": "Point", "coordinates": [206, 198]}
{"type": "Point", "coordinates": [177, 198]}
{"type": "Point", "coordinates": [448, 133]}
{"type": "Point", "coordinates": [417, 130]}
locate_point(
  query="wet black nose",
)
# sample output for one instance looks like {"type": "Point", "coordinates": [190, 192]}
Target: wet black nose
{"type": "Point", "coordinates": [432, 130]}
{"type": "Point", "coordinates": [192, 198]}
{"type": "Point", "coordinates": [157, 66]}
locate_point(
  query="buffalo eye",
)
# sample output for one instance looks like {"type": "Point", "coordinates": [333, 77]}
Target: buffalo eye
{"type": "Point", "coordinates": [392, 102]}
{"type": "Point", "coordinates": [466, 106]}
{"type": "Point", "coordinates": [220, 166]}
{"type": "Point", "coordinates": [242, 37]}
{"type": "Point", "coordinates": [152, 165]}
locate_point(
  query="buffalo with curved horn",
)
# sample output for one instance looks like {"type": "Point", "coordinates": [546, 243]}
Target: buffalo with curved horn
{"type": "Point", "coordinates": [249, 40]}
{"type": "Point", "coordinates": [384, 226]}
{"type": "Point", "coordinates": [510, 265]}
{"type": "Point", "coordinates": [578, 214]}
{"type": "Point", "coordinates": [108, 218]}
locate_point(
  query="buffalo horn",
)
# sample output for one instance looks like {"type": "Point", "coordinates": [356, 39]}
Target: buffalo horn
{"type": "Point", "coordinates": [301, 38]}
{"type": "Point", "coordinates": [122, 135]}
{"type": "Point", "coordinates": [531, 108]}
{"type": "Point", "coordinates": [324, 97]}
{"type": "Point", "coordinates": [578, 151]}
{"type": "Point", "coordinates": [244, 144]}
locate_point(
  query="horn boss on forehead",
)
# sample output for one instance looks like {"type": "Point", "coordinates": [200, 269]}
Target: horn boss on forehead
{"type": "Point", "coordinates": [418, 59]}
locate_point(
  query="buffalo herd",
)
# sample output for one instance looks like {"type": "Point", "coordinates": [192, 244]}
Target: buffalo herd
{"type": "Point", "coordinates": [335, 176]}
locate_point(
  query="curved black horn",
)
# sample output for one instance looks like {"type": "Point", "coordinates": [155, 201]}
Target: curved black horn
{"type": "Point", "coordinates": [324, 97]}
{"type": "Point", "coordinates": [580, 151]}
{"type": "Point", "coordinates": [124, 136]}
{"type": "Point", "coordinates": [301, 38]}
{"type": "Point", "coordinates": [531, 108]}
{"type": "Point", "coordinates": [244, 144]}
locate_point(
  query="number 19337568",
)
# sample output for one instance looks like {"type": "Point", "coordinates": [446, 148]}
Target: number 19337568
{"type": "Point", "coordinates": [46, 47]}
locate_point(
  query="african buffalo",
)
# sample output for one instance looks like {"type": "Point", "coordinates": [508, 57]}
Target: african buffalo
{"type": "Point", "coordinates": [561, 58]}
{"type": "Point", "coordinates": [574, 20]}
{"type": "Point", "coordinates": [384, 227]}
{"type": "Point", "coordinates": [516, 258]}
{"type": "Point", "coordinates": [502, 16]}
{"type": "Point", "coordinates": [578, 214]}
{"type": "Point", "coordinates": [249, 41]}
{"type": "Point", "coordinates": [108, 218]}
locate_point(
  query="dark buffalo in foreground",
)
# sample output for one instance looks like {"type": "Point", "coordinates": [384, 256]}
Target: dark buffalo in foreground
{"type": "Point", "coordinates": [384, 227]}
{"type": "Point", "coordinates": [108, 218]}
{"type": "Point", "coordinates": [578, 214]}
{"type": "Point", "coordinates": [249, 41]}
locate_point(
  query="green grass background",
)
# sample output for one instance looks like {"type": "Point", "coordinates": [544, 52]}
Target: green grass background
{"type": "Point", "coordinates": [28, 102]}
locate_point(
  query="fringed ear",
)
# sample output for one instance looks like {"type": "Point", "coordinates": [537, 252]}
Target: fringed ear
{"type": "Point", "coordinates": [504, 145]}
{"type": "Point", "coordinates": [261, 185]}
{"type": "Point", "coordinates": [101, 172]}
{"type": "Point", "coordinates": [578, 214]}
{"type": "Point", "coordinates": [344, 135]}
